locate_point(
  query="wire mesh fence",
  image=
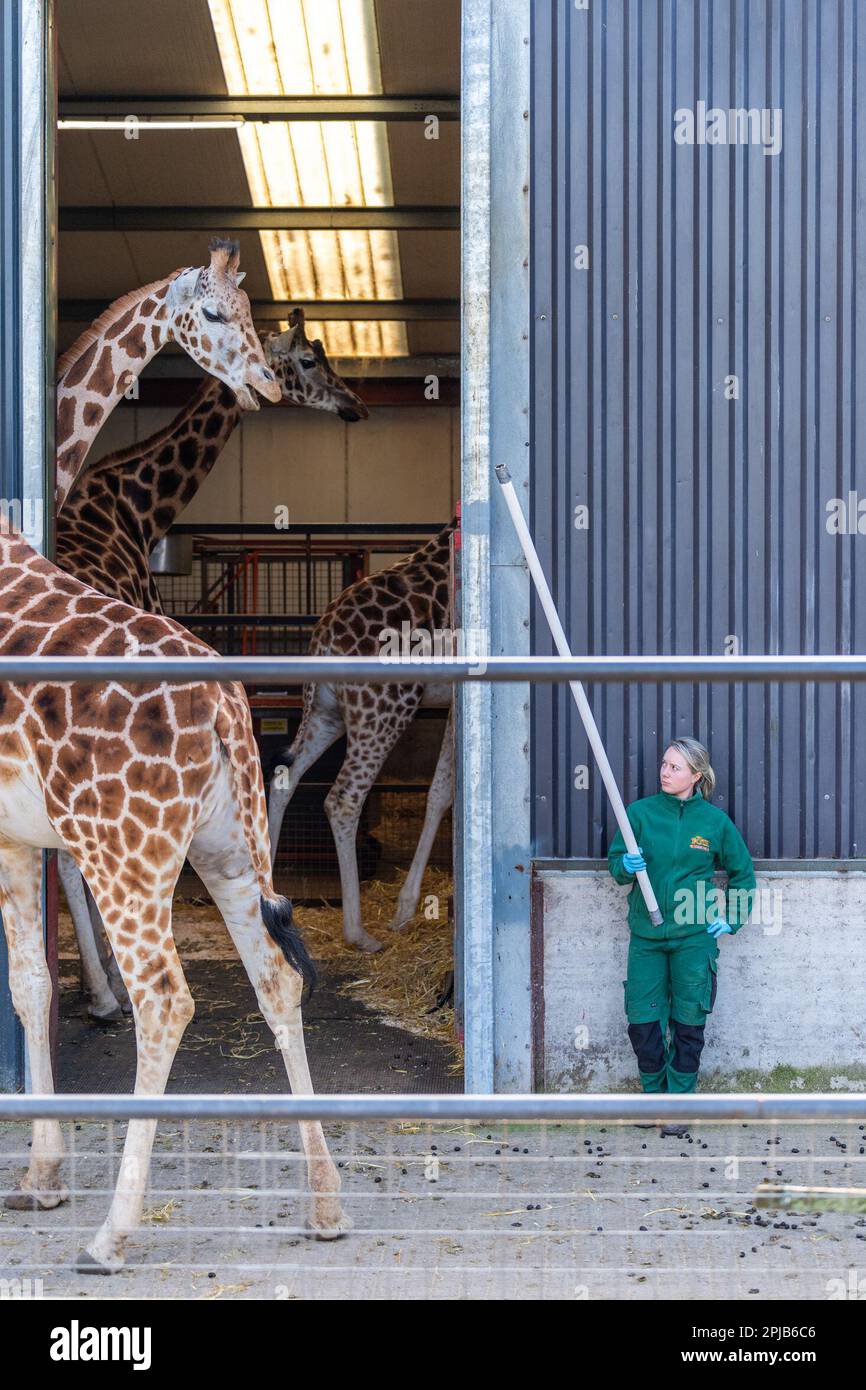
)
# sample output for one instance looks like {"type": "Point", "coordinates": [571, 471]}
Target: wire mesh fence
{"type": "Point", "coordinates": [306, 865]}
{"type": "Point", "coordinates": [237, 579]}
{"type": "Point", "coordinates": [619, 1202]}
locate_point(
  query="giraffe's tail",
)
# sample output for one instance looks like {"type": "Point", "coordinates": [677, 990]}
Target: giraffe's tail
{"type": "Point", "coordinates": [278, 917]}
{"type": "Point", "coordinates": [235, 731]}
{"type": "Point", "coordinates": [284, 758]}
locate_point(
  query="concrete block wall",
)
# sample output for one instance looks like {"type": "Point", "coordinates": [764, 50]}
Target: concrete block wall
{"type": "Point", "coordinates": [791, 1007]}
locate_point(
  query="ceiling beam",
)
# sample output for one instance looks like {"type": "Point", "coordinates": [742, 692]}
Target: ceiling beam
{"type": "Point", "coordinates": [172, 393]}
{"type": "Point", "coordinates": [260, 108]}
{"type": "Point", "coordinates": [234, 219]}
{"type": "Point", "coordinates": [329, 310]}
{"type": "Point", "coordinates": [173, 362]}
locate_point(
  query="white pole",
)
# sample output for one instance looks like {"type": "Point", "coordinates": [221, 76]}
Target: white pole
{"type": "Point", "coordinates": [577, 689]}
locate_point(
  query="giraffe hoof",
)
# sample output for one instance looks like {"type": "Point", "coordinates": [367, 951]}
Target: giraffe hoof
{"type": "Point", "coordinates": [86, 1264]}
{"type": "Point", "coordinates": [342, 1226]}
{"type": "Point", "coordinates": [364, 942]}
{"type": "Point", "coordinates": [108, 1015]}
{"type": "Point", "coordinates": [121, 997]}
{"type": "Point", "coordinates": [21, 1200]}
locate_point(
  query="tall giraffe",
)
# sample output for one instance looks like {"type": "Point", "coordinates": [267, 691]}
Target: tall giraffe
{"type": "Point", "coordinates": [131, 778]}
{"type": "Point", "coordinates": [117, 511]}
{"type": "Point", "coordinates": [411, 597]}
{"type": "Point", "coordinates": [203, 309]}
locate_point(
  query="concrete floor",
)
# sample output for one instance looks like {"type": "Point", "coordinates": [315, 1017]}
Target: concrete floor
{"type": "Point", "coordinates": [510, 1212]}
{"type": "Point", "coordinates": [513, 1212]}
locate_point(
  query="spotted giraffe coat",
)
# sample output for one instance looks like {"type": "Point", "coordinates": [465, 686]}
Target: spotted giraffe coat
{"type": "Point", "coordinates": [121, 506]}
{"type": "Point", "coordinates": [116, 773]}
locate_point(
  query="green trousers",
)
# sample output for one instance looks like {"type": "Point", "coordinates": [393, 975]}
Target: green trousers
{"type": "Point", "coordinates": [670, 989]}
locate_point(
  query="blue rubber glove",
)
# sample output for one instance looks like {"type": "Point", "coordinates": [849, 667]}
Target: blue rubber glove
{"type": "Point", "coordinates": [634, 863]}
{"type": "Point", "coordinates": [719, 928]}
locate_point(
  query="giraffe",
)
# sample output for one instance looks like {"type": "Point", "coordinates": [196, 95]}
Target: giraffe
{"type": "Point", "coordinates": [411, 597]}
{"type": "Point", "coordinates": [117, 511]}
{"type": "Point", "coordinates": [131, 778]}
{"type": "Point", "coordinates": [123, 504]}
{"type": "Point", "coordinates": [203, 309]}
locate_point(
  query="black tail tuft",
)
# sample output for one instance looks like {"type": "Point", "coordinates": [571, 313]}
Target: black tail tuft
{"type": "Point", "coordinates": [277, 917]}
{"type": "Point", "coordinates": [283, 759]}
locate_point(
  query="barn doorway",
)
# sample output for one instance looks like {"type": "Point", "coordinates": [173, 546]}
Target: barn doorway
{"type": "Point", "coordinates": [354, 220]}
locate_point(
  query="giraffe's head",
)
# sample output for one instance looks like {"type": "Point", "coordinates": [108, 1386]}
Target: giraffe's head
{"type": "Point", "coordinates": [210, 318]}
{"type": "Point", "coordinates": [306, 376]}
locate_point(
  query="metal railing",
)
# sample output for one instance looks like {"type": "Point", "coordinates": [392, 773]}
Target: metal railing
{"type": "Point", "coordinates": [540, 1196]}
{"type": "Point", "coordinates": [608, 1108]}
{"type": "Point", "coordinates": [386, 670]}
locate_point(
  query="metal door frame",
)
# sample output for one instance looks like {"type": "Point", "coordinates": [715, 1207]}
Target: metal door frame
{"type": "Point", "coordinates": [492, 832]}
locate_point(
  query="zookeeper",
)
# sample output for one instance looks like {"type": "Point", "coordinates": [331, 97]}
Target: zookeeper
{"type": "Point", "coordinates": [671, 982]}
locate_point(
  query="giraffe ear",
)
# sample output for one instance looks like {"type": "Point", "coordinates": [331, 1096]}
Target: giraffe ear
{"type": "Point", "coordinates": [184, 288]}
{"type": "Point", "coordinates": [241, 275]}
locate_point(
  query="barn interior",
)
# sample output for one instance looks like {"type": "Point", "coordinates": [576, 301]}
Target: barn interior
{"type": "Point", "coordinates": [173, 128]}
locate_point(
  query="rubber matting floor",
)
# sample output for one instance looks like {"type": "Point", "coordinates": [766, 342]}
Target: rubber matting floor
{"type": "Point", "coordinates": [229, 1048]}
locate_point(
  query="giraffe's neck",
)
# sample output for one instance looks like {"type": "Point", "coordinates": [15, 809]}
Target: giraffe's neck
{"type": "Point", "coordinates": [436, 551]}
{"type": "Point", "coordinates": [100, 367]}
{"type": "Point", "coordinates": [414, 592]}
{"type": "Point", "coordinates": [158, 477]}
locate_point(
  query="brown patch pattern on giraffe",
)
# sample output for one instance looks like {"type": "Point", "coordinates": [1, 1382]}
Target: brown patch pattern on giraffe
{"type": "Point", "coordinates": [111, 758]}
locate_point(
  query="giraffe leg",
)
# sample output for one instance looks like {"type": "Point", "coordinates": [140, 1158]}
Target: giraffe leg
{"type": "Point", "coordinates": [162, 1008]}
{"type": "Point", "coordinates": [30, 983]}
{"type": "Point", "coordinates": [221, 859]}
{"type": "Point", "coordinates": [439, 798]}
{"type": "Point", "coordinates": [314, 737]}
{"type": "Point", "coordinates": [106, 955]}
{"type": "Point", "coordinates": [372, 731]}
{"type": "Point", "coordinates": [101, 1001]}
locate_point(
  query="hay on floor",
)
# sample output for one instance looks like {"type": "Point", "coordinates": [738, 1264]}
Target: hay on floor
{"type": "Point", "coordinates": [401, 983]}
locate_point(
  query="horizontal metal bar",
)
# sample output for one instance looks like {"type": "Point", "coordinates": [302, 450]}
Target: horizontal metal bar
{"type": "Point", "coordinates": [706, 1107]}
{"type": "Point", "coordinates": [402, 390]}
{"type": "Point", "coordinates": [766, 866]}
{"type": "Point", "coordinates": [278, 670]}
{"type": "Point", "coordinates": [246, 619]}
{"type": "Point", "coordinates": [325, 311]}
{"type": "Point", "coordinates": [175, 363]}
{"type": "Point", "coordinates": [235, 219]}
{"type": "Point", "coordinates": [261, 108]}
{"type": "Point", "coordinates": [309, 528]}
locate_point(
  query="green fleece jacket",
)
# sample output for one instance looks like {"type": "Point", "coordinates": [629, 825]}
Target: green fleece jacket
{"type": "Point", "coordinates": [684, 843]}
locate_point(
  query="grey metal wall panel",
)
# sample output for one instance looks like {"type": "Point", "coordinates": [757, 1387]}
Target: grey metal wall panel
{"type": "Point", "coordinates": [11, 1037]}
{"type": "Point", "coordinates": [707, 516]}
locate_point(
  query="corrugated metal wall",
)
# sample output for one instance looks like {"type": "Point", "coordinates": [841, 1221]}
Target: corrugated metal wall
{"type": "Point", "coordinates": [11, 1037]}
{"type": "Point", "coordinates": [707, 516]}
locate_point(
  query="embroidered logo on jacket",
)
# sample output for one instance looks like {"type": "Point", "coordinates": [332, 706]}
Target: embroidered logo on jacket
{"type": "Point", "coordinates": [698, 842]}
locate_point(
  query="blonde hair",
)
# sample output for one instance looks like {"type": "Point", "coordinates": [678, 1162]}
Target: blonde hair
{"type": "Point", "coordinates": [698, 759]}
